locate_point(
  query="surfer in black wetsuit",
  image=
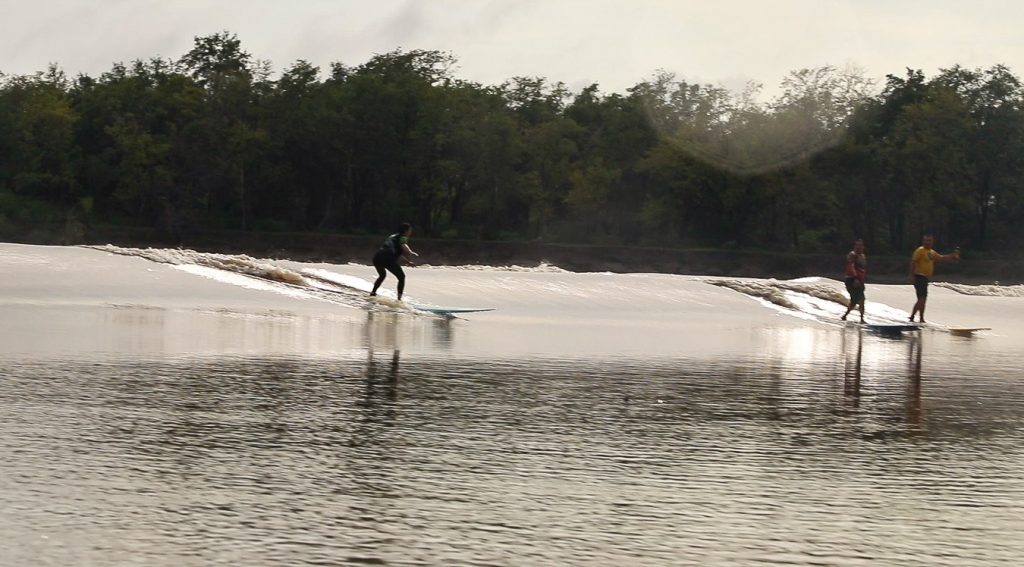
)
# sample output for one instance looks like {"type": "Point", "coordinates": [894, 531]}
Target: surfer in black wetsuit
{"type": "Point", "coordinates": [386, 258]}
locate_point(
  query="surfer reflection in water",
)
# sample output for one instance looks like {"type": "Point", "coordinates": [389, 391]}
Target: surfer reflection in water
{"type": "Point", "coordinates": [374, 378]}
{"type": "Point", "coordinates": [391, 251]}
{"type": "Point", "coordinates": [853, 367]}
{"type": "Point", "coordinates": [915, 411]}
{"type": "Point", "coordinates": [851, 378]}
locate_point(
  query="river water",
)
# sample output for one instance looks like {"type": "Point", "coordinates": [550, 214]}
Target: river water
{"type": "Point", "coordinates": [163, 407]}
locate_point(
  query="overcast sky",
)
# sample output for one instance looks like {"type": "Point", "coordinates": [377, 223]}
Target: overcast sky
{"type": "Point", "coordinates": [615, 43]}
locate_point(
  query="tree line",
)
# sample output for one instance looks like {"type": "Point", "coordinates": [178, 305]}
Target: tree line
{"type": "Point", "coordinates": [217, 140]}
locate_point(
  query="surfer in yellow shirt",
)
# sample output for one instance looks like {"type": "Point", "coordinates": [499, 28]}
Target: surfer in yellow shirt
{"type": "Point", "coordinates": [922, 266]}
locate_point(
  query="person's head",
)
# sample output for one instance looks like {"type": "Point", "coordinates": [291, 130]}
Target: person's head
{"type": "Point", "coordinates": [858, 246]}
{"type": "Point", "coordinates": [405, 229]}
{"type": "Point", "coordinates": [927, 241]}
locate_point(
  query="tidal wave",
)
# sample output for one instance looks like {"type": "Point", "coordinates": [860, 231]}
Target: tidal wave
{"type": "Point", "coordinates": [808, 298]}
{"type": "Point", "coordinates": [239, 264]}
{"type": "Point", "coordinates": [264, 275]}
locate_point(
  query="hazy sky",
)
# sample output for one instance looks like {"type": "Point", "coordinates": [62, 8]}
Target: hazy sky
{"type": "Point", "coordinates": [615, 43]}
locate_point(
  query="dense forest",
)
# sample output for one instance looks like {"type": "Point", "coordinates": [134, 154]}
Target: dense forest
{"type": "Point", "coordinates": [218, 140]}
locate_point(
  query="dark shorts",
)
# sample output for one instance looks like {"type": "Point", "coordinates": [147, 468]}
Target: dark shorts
{"type": "Point", "coordinates": [384, 260]}
{"type": "Point", "coordinates": [855, 290]}
{"type": "Point", "coordinates": [921, 286]}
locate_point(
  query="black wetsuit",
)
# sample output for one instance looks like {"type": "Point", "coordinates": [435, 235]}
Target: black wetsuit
{"type": "Point", "coordinates": [386, 258]}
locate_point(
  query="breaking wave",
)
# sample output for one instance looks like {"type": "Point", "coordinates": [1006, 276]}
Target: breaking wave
{"type": "Point", "coordinates": [780, 292]}
{"type": "Point", "coordinates": [239, 264]}
{"type": "Point", "coordinates": [820, 299]}
{"type": "Point", "coordinates": [985, 290]}
{"type": "Point", "coordinates": [249, 272]}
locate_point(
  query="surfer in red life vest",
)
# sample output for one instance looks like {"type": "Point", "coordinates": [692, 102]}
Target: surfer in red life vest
{"type": "Point", "coordinates": [394, 247]}
{"type": "Point", "coordinates": [856, 272]}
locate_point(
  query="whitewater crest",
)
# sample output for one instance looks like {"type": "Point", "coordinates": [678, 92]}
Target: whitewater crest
{"type": "Point", "coordinates": [816, 299]}
{"type": "Point", "coordinates": [239, 264]}
{"type": "Point", "coordinates": [249, 272]}
{"type": "Point", "coordinates": [984, 290]}
{"type": "Point", "coordinates": [781, 292]}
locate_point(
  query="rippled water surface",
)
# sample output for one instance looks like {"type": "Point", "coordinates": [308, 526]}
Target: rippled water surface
{"type": "Point", "coordinates": [382, 458]}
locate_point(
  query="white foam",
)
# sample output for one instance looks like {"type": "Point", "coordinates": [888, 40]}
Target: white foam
{"type": "Point", "coordinates": [241, 280]}
{"type": "Point", "coordinates": [810, 298]}
{"type": "Point", "coordinates": [340, 279]}
{"type": "Point", "coordinates": [230, 263]}
{"type": "Point", "coordinates": [985, 290]}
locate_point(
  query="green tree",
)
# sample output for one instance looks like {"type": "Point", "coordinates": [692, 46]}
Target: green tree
{"type": "Point", "coordinates": [227, 139]}
{"type": "Point", "coordinates": [36, 137]}
{"type": "Point", "coordinates": [994, 139]}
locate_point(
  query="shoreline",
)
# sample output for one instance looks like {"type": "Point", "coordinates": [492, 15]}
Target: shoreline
{"type": "Point", "coordinates": [336, 248]}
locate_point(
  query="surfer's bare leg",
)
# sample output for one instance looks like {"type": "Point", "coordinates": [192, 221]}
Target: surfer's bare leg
{"type": "Point", "coordinates": [918, 308]}
{"type": "Point", "coordinates": [921, 288]}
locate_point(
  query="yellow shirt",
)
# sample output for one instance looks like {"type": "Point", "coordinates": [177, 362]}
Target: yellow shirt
{"type": "Point", "coordinates": [924, 261]}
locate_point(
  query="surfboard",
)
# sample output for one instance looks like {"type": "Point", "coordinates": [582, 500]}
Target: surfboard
{"type": "Point", "coordinates": [450, 310]}
{"type": "Point", "coordinates": [967, 331]}
{"type": "Point", "coordinates": [891, 329]}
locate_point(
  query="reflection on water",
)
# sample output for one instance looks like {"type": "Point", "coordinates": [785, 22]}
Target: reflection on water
{"type": "Point", "coordinates": [851, 384]}
{"type": "Point", "coordinates": [892, 367]}
{"type": "Point", "coordinates": [378, 456]}
{"type": "Point", "coordinates": [901, 360]}
{"type": "Point", "coordinates": [390, 330]}
{"type": "Point", "coordinates": [914, 408]}
{"type": "Point", "coordinates": [119, 330]}
{"type": "Point", "coordinates": [377, 379]}
{"type": "Point", "coordinates": [911, 343]}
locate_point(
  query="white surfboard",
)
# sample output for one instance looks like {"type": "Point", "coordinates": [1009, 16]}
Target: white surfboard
{"type": "Point", "coordinates": [967, 331]}
{"type": "Point", "coordinates": [450, 310]}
